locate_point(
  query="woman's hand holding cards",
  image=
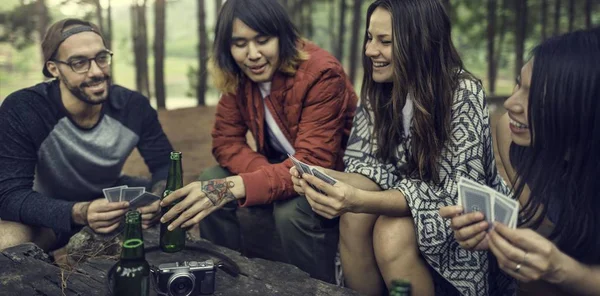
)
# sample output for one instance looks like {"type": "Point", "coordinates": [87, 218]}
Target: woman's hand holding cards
{"type": "Point", "coordinates": [527, 256]}
{"type": "Point", "coordinates": [469, 229]}
{"type": "Point", "coordinates": [296, 180]}
{"type": "Point", "coordinates": [334, 201]}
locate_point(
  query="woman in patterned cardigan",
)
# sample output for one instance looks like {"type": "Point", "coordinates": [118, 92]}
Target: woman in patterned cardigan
{"type": "Point", "coordinates": [422, 124]}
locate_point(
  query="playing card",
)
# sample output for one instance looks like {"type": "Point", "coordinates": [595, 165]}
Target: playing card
{"type": "Point", "coordinates": [143, 200]}
{"type": "Point", "coordinates": [113, 194]}
{"type": "Point", "coordinates": [130, 193]}
{"type": "Point", "coordinates": [302, 167]}
{"type": "Point", "coordinates": [326, 178]}
{"type": "Point", "coordinates": [503, 209]}
{"type": "Point", "coordinates": [515, 217]}
{"type": "Point", "coordinates": [476, 199]}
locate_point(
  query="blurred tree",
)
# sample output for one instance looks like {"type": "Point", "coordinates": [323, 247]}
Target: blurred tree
{"type": "Point", "coordinates": [544, 12]}
{"type": "Point", "coordinates": [307, 12]}
{"type": "Point", "coordinates": [218, 4]}
{"type": "Point", "coordinates": [202, 58]}
{"type": "Point", "coordinates": [17, 27]}
{"type": "Point", "coordinates": [140, 46]}
{"type": "Point", "coordinates": [339, 48]}
{"type": "Point", "coordinates": [43, 20]}
{"type": "Point", "coordinates": [330, 29]}
{"type": "Point", "coordinates": [355, 40]}
{"type": "Point", "coordinates": [109, 35]}
{"type": "Point", "coordinates": [556, 17]}
{"type": "Point", "coordinates": [520, 34]}
{"type": "Point", "coordinates": [588, 14]}
{"type": "Point", "coordinates": [159, 53]}
{"type": "Point", "coordinates": [498, 59]}
{"type": "Point", "coordinates": [571, 14]}
{"type": "Point", "coordinates": [491, 36]}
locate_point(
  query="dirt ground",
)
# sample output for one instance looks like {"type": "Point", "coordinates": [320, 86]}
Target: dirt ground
{"type": "Point", "coordinates": [189, 132]}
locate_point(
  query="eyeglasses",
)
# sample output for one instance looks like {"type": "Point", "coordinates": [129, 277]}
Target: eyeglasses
{"type": "Point", "coordinates": [82, 65]}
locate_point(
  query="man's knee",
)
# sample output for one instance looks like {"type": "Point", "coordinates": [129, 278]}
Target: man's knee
{"type": "Point", "coordinates": [394, 238]}
{"type": "Point", "coordinates": [216, 172]}
{"type": "Point", "coordinates": [14, 233]}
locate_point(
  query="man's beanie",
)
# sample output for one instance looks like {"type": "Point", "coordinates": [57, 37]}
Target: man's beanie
{"type": "Point", "coordinates": [56, 34]}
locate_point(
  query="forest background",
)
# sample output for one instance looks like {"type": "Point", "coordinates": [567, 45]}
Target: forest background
{"type": "Point", "coordinates": [161, 46]}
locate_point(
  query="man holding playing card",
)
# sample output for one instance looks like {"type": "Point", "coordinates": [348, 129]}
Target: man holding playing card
{"type": "Point", "coordinates": [63, 141]}
{"type": "Point", "coordinates": [549, 142]}
{"type": "Point", "coordinates": [295, 99]}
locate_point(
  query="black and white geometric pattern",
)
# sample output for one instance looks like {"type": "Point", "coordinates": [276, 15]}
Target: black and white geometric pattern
{"type": "Point", "coordinates": [468, 153]}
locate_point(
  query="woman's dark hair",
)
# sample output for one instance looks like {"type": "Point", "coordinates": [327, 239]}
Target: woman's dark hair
{"type": "Point", "coordinates": [561, 167]}
{"type": "Point", "coordinates": [426, 66]}
{"type": "Point", "coordinates": [267, 17]}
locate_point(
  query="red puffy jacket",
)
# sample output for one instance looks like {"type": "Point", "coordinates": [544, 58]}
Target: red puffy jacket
{"type": "Point", "coordinates": [314, 110]}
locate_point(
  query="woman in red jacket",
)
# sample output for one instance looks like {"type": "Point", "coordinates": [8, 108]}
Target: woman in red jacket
{"type": "Point", "coordinates": [295, 99]}
{"type": "Point", "coordinates": [423, 123]}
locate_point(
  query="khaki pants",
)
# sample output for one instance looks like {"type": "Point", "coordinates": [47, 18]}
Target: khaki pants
{"type": "Point", "coordinates": [309, 241]}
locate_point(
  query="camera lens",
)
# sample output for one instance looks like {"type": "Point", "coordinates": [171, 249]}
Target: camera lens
{"type": "Point", "coordinates": [181, 285]}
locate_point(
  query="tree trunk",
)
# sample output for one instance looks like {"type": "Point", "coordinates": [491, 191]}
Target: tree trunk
{"type": "Point", "coordinates": [201, 85]}
{"type": "Point", "coordinates": [109, 34]}
{"type": "Point", "coordinates": [354, 43]}
{"type": "Point", "coordinates": [159, 53]}
{"type": "Point", "coordinates": [140, 47]}
{"type": "Point", "coordinates": [544, 19]}
{"type": "Point", "coordinates": [556, 17]}
{"type": "Point", "coordinates": [308, 24]}
{"type": "Point", "coordinates": [491, 36]}
{"type": "Point", "coordinates": [339, 50]}
{"type": "Point", "coordinates": [218, 4]}
{"type": "Point", "coordinates": [571, 15]}
{"type": "Point", "coordinates": [331, 28]}
{"type": "Point", "coordinates": [43, 20]}
{"type": "Point", "coordinates": [588, 14]}
{"type": "Point", "coordinates": [502, 35]}
{"type": "Point", "coordinates": [99, 17]}
{"type": "Point", "coordinates": [521, 28]}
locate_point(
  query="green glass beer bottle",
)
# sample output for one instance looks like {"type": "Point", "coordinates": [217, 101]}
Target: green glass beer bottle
{"type": "Point", "coordinates": [172, 241]}
{"type": "Point", "coordinates": [132, 271]}
{"type": "Point", "coordinates": [400, 288]}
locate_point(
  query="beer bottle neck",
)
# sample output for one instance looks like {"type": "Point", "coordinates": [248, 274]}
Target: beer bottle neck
{"type": "Point", "coordinates": [175, 178]}
{"type": "Point", "coordinates": [133, 241]}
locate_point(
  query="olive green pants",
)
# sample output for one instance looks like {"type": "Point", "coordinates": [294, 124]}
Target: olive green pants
{"type": "Point", "coordinates": [309, 241]}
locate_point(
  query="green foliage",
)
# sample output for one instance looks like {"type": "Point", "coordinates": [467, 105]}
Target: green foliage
{"type": "Point", "coordinates": [192, 76]}
{"type": "Point", "coordinates": [16, 26]}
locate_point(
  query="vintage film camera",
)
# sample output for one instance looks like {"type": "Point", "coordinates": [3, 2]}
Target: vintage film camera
{"type": "Point", "coordinates": [185, 278]}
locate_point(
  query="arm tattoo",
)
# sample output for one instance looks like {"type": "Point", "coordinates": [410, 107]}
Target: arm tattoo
{"type": "Point", "coordinates": [218, 190]}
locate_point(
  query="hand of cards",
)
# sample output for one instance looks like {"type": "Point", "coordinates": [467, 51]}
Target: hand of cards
{"type": "Point", "coordinates": [136, 196]}
{"type": "Point", "coordinates": [304, 168]}
{"type": "Point", "coordinates": [475, 197]}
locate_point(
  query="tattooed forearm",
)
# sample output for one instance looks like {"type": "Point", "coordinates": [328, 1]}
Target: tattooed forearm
{"type": "Point", "coordinates": [218, 190]}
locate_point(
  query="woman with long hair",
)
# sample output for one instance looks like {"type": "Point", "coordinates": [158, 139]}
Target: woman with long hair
{"type": "Point", "coordinates": [422, 123]}
{"type": "Point", "coordinates": [549, 143]}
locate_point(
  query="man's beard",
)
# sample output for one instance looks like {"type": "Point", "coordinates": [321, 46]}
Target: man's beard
{"type": "Point", "coordinates": [79, 91]}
